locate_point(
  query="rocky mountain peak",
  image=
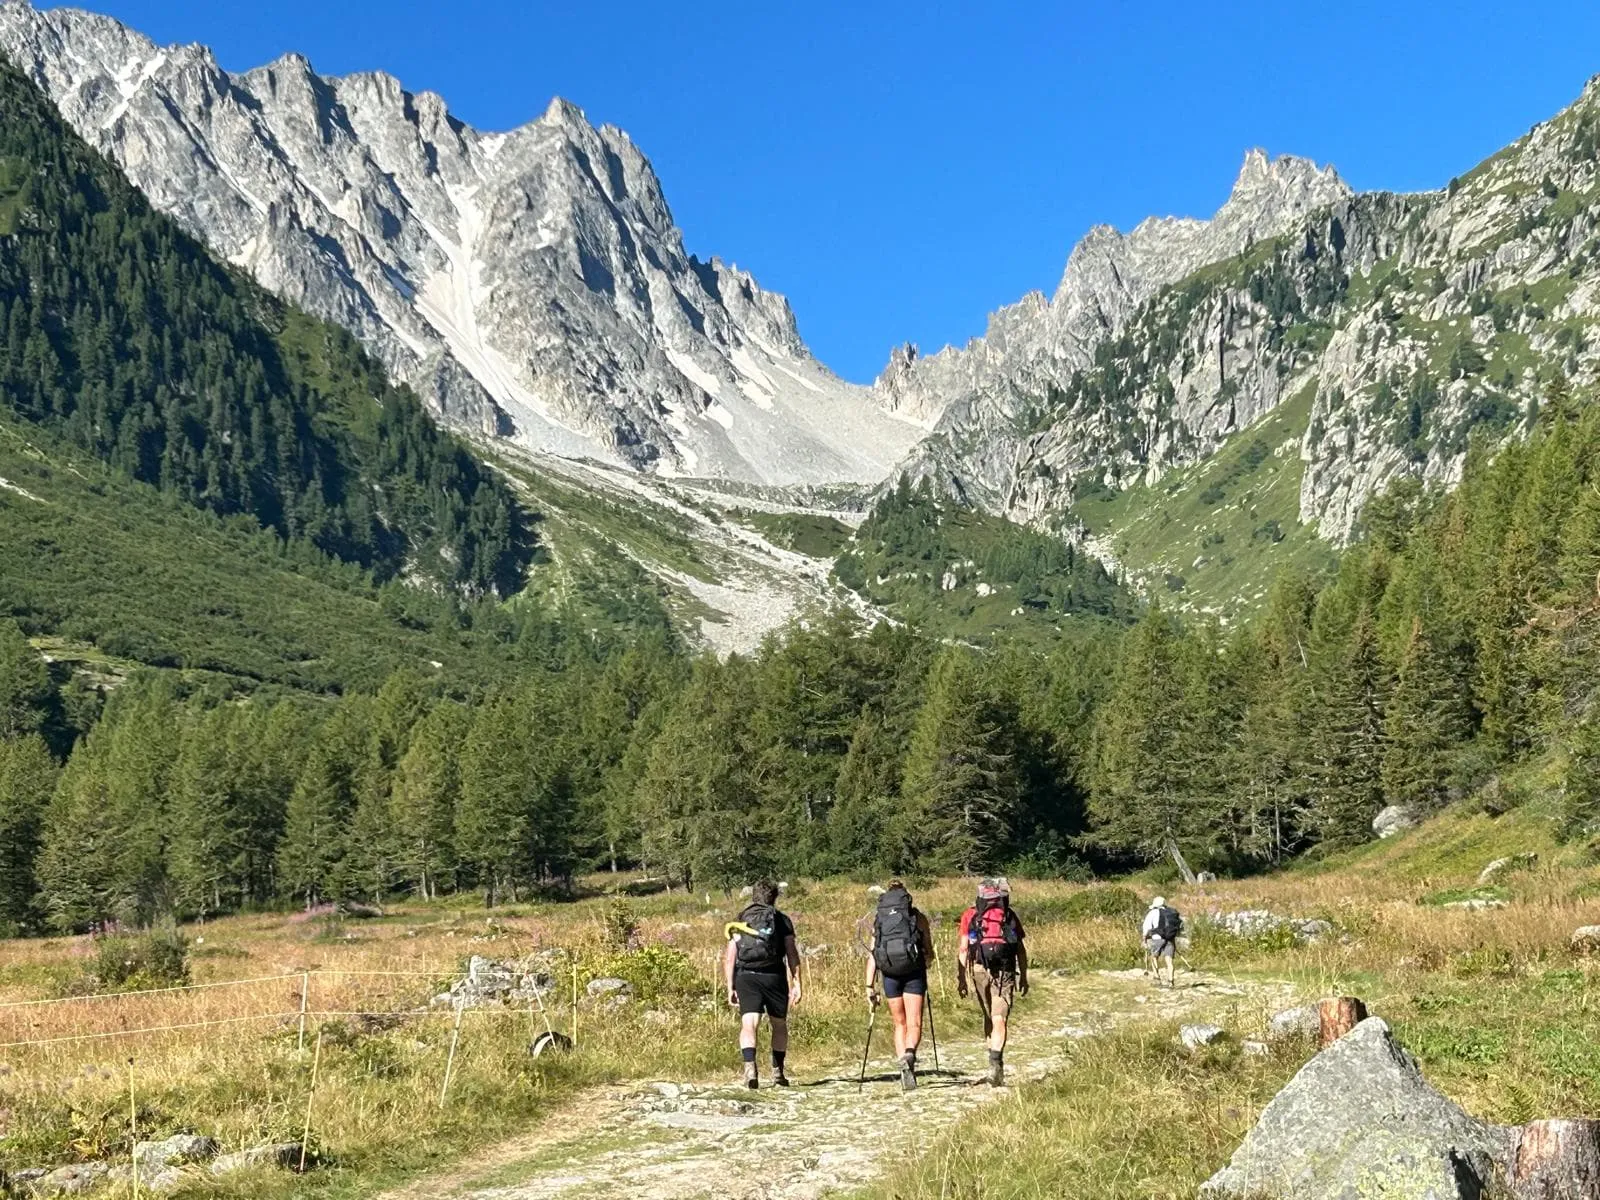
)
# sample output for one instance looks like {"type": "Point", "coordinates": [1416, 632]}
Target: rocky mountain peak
{"type": "Point", "coordinates": [528, 283]}
{"type": "Point", "coordinates": [977, 393]}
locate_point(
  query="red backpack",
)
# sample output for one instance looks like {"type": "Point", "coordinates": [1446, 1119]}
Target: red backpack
{"type": "Point", "coordinates": [993, 934]}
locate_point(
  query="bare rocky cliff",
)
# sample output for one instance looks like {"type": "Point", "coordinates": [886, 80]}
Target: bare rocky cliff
{"type": "Point", "coordinates": [529, 284]}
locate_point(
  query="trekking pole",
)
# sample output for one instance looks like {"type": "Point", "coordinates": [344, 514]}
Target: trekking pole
{"type": "Point", "coordinates": [933, 1034]}
{"type": "Point", "coordinates": [872, 1015]}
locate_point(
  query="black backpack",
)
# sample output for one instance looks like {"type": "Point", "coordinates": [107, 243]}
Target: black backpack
{"type": "Point", "coordinates": [763, 951]}
{"type": "Point", "coordinates": [1168, 924]}
{"type": "Point", "coordinates": [897, 943]}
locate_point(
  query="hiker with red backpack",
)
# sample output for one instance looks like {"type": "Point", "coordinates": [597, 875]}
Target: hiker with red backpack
{"type": "Point", "coordinates": [761, 967]}
{"type": "Point", "coordinates": [901, 949]}
{"type": "Point", "coordinates": [992, 952]}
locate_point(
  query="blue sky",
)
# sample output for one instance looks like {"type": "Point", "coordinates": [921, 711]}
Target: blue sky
{"type": "Point", "coordinates": [899, 170]}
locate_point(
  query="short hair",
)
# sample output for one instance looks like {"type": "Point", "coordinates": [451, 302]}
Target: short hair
{"type": "Point", "coordinates": [764, 891]}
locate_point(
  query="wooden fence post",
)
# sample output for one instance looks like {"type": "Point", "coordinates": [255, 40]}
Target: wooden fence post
{"type": "Point", "coordinates": [1557, 1160]}
{"type": "Point", "coordinates": [450, 1059]}
{"type": "Point", "coordinates": [311, 1094]}
{"type": "Point", "coordinates": [133, 1131]}
{"type": "Point", "coordinates": [305, 996]}
{"type": "Point", "coordinates": [1339, 1015]}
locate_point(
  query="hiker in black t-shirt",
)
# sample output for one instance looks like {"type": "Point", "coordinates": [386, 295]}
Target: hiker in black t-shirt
{"type": "Point", "coordinates": [762, 968]}
{"type": "Point", "coordinates": [902, 948]}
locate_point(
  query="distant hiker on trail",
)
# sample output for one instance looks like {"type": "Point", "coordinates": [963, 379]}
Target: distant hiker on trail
{"type": "Point", "coordinates": [762, 968]}
{"type": "Point", "coordinates": [1162, 925]}
{"type": "Point", "coordinates": [901, 949]}
{"type": "Point", "coordinates": [991, 950]}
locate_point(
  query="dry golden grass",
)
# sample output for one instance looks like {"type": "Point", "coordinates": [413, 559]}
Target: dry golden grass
{"type": "Point", "coordinates": [1502, 1013]}
{"type": "Point", "coordinates": [235, 1067]}
{"type": "Point", "coordinates": [1495, 1004]}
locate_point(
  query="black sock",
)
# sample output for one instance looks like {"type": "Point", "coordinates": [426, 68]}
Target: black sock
{"type": "Point", "coordinates": [749, 1053]}
{"type": "Point", "coordinates": [997, 1056]}
{"type": "Point", "coordinates": [777, 1059]}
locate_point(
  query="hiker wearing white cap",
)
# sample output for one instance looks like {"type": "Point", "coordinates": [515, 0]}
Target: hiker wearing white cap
{"type": "Point", "coordinates": [1162, 925]}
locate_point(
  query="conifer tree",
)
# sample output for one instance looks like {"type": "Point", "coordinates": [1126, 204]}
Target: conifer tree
{"type": "Point", "coordinates": [78, 883]}
{"type": "Point", "coordinates": [1424, 725]}
{"type": "Point", "coordinates": [423, 800]}
{"type": "Point", "coordinates": [1345, 740]}
{"type": "Point", "coordinates": [26, 693]}
{"type": "Point", "coordinates": [27, 781]}
{"type": "Point", "coordinates": [703, 820]}
{"type": "Point", "coordinates": [1141, 781]}
{"type": "Point", "coordinates": [311, 857]}
{"type": "Point", "coordinates": [206, 815]}
{"type": "Point", "coordinates": [961, 787]}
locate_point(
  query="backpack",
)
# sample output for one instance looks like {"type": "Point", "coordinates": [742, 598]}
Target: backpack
{"type": "Point", "coordinates": [993, 934]}
{"type": "Point", "coordinates": [897, 943]}
{"type": "Point", "coordinates": [763, 952]}
{"type": "Point", "coordinates": [1168, 924]}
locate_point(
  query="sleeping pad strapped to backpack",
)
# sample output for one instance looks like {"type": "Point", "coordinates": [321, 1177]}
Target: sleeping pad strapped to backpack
{"type": "Point", "coordinates": [897, 944]}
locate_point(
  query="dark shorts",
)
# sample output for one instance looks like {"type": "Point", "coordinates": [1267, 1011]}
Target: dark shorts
{"type": "Point", "coordinates": [762, 994]}
{"type": "Point", "coordinates": [911, 985]}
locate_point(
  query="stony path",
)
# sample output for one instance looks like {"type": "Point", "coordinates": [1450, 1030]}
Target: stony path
{"type": "Point", "coordinates": [822, 1137]}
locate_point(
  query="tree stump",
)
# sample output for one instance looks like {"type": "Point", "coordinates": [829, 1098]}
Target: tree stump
{"type": "Point", "coordinates": [1339, 1014]}
{"type": "Point", "coordinates": [1557, 1160]}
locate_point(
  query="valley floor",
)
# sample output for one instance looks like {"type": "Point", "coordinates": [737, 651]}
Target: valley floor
{"type": "Point", "coordinates": [667, 1140]}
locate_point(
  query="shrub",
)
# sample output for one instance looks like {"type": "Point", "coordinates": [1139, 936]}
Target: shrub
{"type": "Point", "coordinates": [156, 958]}
{"type": "Point", "coordinates": [619, 927]}
{"type": "Point", "coordinates": [656, 973]}
{"type": "Point", "coordinates": [1116, 903]}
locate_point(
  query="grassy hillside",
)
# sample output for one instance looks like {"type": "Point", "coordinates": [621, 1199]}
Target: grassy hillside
{"type": "Point", "coordinates": [956, 572]}
{"type": "Point", "coordinates": [117, 575]}
{"type": "Point", "coordinates": [1211, 538]}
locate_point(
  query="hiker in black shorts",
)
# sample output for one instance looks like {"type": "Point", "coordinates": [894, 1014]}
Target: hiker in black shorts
{"type": "Point", "coordinates": [902, 948]}
{"type": "Point", "coordinates": [762, 968]}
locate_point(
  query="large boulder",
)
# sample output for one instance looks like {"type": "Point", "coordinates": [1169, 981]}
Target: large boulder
{"type": "Point", "coordinates": [1194, 1037]}
{"type": "Point", "coordinates": [489, 983]}
{"type": "Point", "coordinates": [1302, 1022]}
{"type": "Point", "coordinates": [281, 1155]}
{"type": "Point", "coordinates": [1394, 819]}
{"type": "Point", "coordinates": [1359, 1122]}
{"type": "Point", "coordinates": [1258, 922]}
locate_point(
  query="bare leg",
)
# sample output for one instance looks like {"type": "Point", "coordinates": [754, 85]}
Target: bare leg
{"type": "Point", "coordinates": [897, 1014]}
{"type": "Point", "coordinates": [997, 1034]}
{"type": "Point", "coordinates": [912, 1037]}
{"type": "Point", "coordinates": [780, 1036]}
{"type": "Point", "coordinates": [747, 1030]}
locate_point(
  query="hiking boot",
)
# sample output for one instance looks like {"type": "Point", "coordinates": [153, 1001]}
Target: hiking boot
{"type": "Point", "coordinates": [997, 1071]}
{"type": "Point", "coordinates": [779, 1079]}
{"type": "Point", "coordinates": [908, 1074]}
{"type": "Point", "coordinates": [751, 1076]}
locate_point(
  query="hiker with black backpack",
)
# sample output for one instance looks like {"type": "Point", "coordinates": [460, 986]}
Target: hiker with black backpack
{"type": "Point", "coordinates": [761, 967]}
{"type": "Point", "coordinates": [902, 948]}
{"type": "Point", "coordinates": [1160, 931]}
{"type": "Point", "coordinates": [992, 952]}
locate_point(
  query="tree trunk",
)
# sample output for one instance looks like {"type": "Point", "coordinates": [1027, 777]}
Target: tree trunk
{"type": "Point", "coordinates": [1557, 1160]}
{"type": "Point", "coordinates": [1340, 1014]}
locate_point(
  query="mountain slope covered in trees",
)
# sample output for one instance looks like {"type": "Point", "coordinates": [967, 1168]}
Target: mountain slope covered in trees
{"type": "Point", "coordinates": [122, 336]}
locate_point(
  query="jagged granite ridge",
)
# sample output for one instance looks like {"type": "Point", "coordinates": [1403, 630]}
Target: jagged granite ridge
{"type": "Point", "coordinates": [530, 284]}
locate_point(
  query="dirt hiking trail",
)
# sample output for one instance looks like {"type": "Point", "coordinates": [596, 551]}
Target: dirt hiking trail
{"type": "Point", "coordinates": [821, 1137]}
